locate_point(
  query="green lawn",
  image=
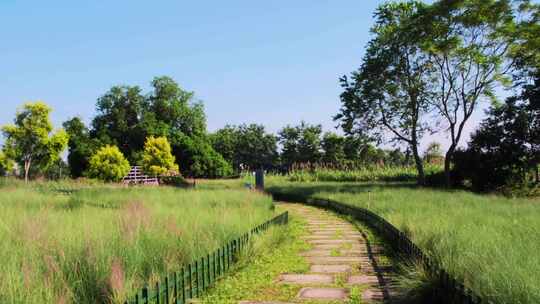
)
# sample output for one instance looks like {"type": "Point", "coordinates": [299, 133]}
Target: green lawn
{"type": "Point", "coordinates": [101, 243]}
{"type": "Point", "coordinates": [490, 242]}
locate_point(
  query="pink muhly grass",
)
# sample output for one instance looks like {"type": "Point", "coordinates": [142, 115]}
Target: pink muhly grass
{"type": "Point", "coordinates": [134, 217]}
{"type": "Point", "coordinates": [171, 227]}
{"type": "Point", "coordinates": [116, 279]}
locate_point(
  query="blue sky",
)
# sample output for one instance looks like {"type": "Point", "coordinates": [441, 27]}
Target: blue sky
{"type": "Point", "coordinates": [268, 62]}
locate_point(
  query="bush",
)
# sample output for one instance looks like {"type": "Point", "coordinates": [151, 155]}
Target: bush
{"type": "Point", "coordinates": [157, 158]}
{"type": "Point", "coordinates": [108, 164]}
{"type": "Point", "coordinates": [199, 159]}
{"type": "Point", "coordinates": [6, 164]}
{"type": "Point", "coordinates": [176, 181]}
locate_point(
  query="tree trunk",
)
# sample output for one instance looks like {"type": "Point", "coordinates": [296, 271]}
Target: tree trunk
{"type": "Point", "coordinates": [447, 160]}
{"type": "Point", "coordinates": [26, 169]}
{"type": "Point", "coordinates": [419, 165]}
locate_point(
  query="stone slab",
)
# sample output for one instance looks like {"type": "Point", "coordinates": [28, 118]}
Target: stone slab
{"type": "Point", "coordinates": [331, 260]}
{"type": "Point", "coordinates": [355, 247]}
{"type": "Point", "coordinates": [329, 253]}
{"type": "Point", "coordinates": [306, 278]}
{"type": "Point", "coordinates": [333, 237]}
{"type": "Point", "coordinates": [372, 295]}
{"type": "Point", "coordinates": [330, 268]}
{"type": "Point", "coordinates": [323, 293]}
{"type": "Point", "coordinates": [337, 233]}
{"type": "Point", "coordinates": [344, 231]}
{"type": "Point", "coordinates": [263, 302]}
{"type": "Point", "coordinates": [341, 241]}
{"type": "Point", "coordinates": [362, 279]}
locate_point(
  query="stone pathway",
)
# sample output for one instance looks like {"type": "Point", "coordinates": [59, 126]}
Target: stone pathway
{"type": "Point", "coordinates": [344, 266]}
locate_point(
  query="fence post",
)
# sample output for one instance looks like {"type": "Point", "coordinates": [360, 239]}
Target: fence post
{"type": "Point", "coordinates": [208, 270]}
{"type": "Point", "coordinates": [157, 292]}
{"type": "Point", "coordinates": [214, 264]}
{"type": "Point", "coordinates": [145, 294]}
{"type": "Point", "coordinates": [196, 279]}
{"type": "Point", "coordinates": [219, 261]}
{"type": "Point", "coordinates": [190, 281]}
{"type": "Point", "coordinates": [183, 287]}
{"type": "Point", "coordinates": [203, 276]}
{"type": "Point", "coordinates": [175, 290]}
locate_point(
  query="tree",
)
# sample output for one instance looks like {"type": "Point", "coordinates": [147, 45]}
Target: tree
{"type": "Point", "coordinates": [333, 146]}
{"type": "Point", "coordinates": [199, 159]}
{"type": "Point", "coordinates": [80, 146]}
{"type": "Point", "coordinates": [225, 142]}
{"type": "Point", "coordinates": [396, 158]}
{"type": "Point", "coordinates": [173, 110]}
{"type": "Point", "coordinates": [467, 42]}
{"type": "Point", "coordinates": [157, 158]}
{"type": "Point", "coordinates": [246, 146]}
{"type": "Point", "coordinates": [301, 144]}
{"type": "Point", "coordinates": [506, 147]}
{"type": "Point", "coordinates": [126, 117]}
{"type": "Point", "coordinates": [30, 141]}
{"type": "Point", "coordinates": [108, 164]}
{"type": "Point", "coordinates": [6, 164]}
{"type": "Point", "coordinates": [390, 93]}
{"type": "Point", "coordinates": [118, 121]}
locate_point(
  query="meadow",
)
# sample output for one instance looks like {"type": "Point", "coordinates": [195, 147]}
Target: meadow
{"type": "Point", "coordinates": [490, 242]}
{"type": "Point", "coordinates": [100, 243]}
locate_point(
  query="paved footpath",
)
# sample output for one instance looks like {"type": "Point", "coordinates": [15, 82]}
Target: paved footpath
{"type": "Point", "coordinates": [343, 264]}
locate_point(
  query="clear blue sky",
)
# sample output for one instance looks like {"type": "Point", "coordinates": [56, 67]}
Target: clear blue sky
{"type": "Point", "coordinates": [268, 62]}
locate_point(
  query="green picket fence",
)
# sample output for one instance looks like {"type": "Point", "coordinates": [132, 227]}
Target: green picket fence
{"type": "Point", "coordinates": [193, 279]}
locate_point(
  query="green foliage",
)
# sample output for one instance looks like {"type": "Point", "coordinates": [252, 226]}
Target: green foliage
{"type": "Point", "coordinates": [246, 146]}
{"type": "Point", "coordinates": [81, 146]}
{"type": "Point", "coordinates": [199, 159]}
{"type": "Point", "coordinates": [6, 164]}
{"type": "Point", "coordinates": [300, 143]}
{"type": "Point", "coordinates": [390, 94]}
{"type": "Point", "coordinates": [174, 180]}
{"type": "Point", "coordinates": [504, 153]}
{"type": "Point", "coordinates": [29, 140]}
{"type": "Point", "coordinates": [108, 164]}
{"type": "Point", "coordinates": [157, 158]}
{"type": "Point", "coordinates": [126, 117]}
{"type": "Point", "coordinates": [333, 146]}
{"type": "Point", "coordinates": [118, 121]}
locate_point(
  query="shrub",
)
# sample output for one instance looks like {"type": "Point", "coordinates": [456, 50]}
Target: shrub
{"type": "Point", "coordinates": [6, 164]}
{"type": "Point", "coordinates": [177, 181]}
{"type": "Point", "coordinates": [199, 159]}
{"type": "Point", "coordinates": [157, 158]}
{"type": "Point", "coordinates": [108, 164]}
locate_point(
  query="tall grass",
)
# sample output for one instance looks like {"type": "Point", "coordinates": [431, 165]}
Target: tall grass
{"type": "Point", "coordinates": [99, 245]}
{"type": "Point", "coordinates": [324, 173]}
{"type": "Point", "coordinates": [492, 243]}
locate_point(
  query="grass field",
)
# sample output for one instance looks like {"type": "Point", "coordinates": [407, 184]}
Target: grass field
{"type": "Point", "coordinates": [490, 242]}
{"type": "Point", "coordinates": [100, 244]}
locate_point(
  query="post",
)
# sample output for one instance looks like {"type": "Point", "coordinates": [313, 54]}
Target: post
{"type": "Point", "coordinates": [259, 179]}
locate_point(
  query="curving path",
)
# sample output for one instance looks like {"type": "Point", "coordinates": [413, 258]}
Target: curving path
{"type": "Point", "coordinates": [344, 266]}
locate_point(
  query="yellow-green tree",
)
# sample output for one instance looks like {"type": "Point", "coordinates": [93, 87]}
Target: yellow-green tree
{"type": "Point", "coordinates": [108, 164]}
{"type": "Point", "coordinates": [30, 141]}
{"type": "Point", "coordinates": [6, 164]}
{"type": "Point", "coordinates": [157, 156]}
